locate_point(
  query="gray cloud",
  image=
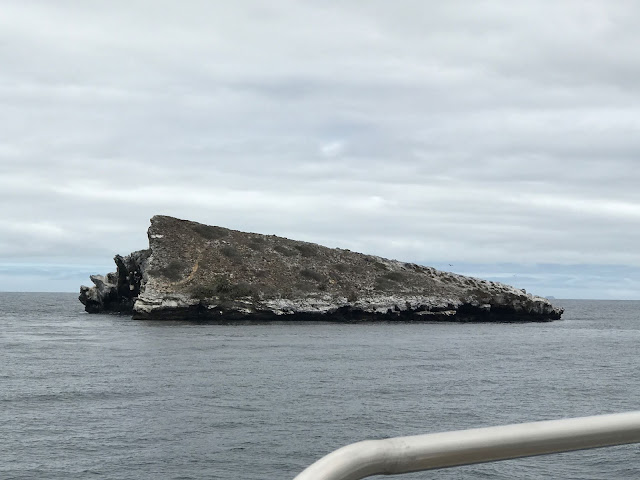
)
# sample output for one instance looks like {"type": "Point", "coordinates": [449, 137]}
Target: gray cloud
{"type": "Point", "coordinates": [443, 131]}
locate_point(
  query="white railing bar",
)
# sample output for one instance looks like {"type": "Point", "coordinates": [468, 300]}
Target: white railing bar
{"type": "Point", "coordinates": [448, 449]}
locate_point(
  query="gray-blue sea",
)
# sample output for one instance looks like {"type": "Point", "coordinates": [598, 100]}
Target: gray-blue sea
{"type": "Point", "coordinates": [103, 396]}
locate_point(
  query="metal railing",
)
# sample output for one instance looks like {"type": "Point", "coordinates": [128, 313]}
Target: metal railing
{"type": "Point", "coordinates": [448, 449]}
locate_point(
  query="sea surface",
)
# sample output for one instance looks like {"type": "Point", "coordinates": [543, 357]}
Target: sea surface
{"type": "Point", "coordinates": [103, 396]}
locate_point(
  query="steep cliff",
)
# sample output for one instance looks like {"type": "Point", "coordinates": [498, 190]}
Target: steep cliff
{"type": "Point", "coordinates": [196, 271]}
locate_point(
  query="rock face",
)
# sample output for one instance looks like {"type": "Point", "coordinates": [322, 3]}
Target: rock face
{"type": "Point", "coordinates": [195, 271]}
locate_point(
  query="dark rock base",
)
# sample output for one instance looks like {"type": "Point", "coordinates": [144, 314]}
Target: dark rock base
{"type": "Point", "coordinates": [464, 314]}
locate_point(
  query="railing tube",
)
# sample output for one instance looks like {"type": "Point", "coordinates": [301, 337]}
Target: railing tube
{"type": "Point", "coordinates": [426, 452]}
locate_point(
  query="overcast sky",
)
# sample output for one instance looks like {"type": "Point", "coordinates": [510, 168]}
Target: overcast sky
{"type": "Point", "coordinates": [498, 139]}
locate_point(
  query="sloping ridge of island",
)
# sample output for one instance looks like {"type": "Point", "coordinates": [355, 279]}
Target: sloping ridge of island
{"type": "Point", "coordinates": [193, 271]}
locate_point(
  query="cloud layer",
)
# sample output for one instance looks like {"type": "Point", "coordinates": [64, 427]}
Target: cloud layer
{"type": "Point", "coordinates": [477, 132]}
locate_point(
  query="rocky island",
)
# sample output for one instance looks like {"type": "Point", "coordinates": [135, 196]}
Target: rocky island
{"type": "Point", "coordinates": [201, 272]}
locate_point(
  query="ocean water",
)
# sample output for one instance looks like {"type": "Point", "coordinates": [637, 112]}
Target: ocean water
{"type": "Point", "coordinates": [103, 396]}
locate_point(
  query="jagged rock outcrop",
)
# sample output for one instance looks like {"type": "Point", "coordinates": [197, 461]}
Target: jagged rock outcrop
{"type": "Point", "coordinates": [196, 271]}
{"type": "Point", "coordinates": [116, 291]}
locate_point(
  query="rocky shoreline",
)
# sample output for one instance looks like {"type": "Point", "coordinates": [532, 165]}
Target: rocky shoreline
{"type": "Point", "coordinates": [193, 271]}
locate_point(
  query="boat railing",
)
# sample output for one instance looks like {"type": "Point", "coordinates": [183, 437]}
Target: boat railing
{"type": "Point", "coordinates": [438, 450]}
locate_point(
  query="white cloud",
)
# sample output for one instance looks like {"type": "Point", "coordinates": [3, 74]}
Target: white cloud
{"type": "Point", "coordinates": [332, 149]}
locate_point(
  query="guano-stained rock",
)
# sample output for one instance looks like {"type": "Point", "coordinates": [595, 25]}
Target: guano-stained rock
{"type": "Point", "coordinates": [195, 271]}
